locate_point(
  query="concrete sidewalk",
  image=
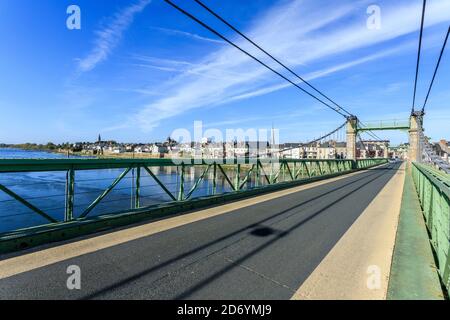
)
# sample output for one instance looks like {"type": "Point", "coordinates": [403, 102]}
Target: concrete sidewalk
{"type": "Point", "coordinates": [358, 266]}
{"type": "Point", "coordinates": [413, 274]}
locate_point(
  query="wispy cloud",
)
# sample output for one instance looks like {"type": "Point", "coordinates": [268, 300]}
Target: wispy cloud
{"type": "Point", "coordinates": [395, 87]}
{"type": "Point", "coordinates": [188, 34]}
{"type": "Point", "coordinates": [319, 74]}
{"type": "Point", "coordinates": [294, 115]}
{"type": "Point", "coordinates": [164, 61]}
{"type": "Point", "coordinates": [178, 66]}
{"type": "Point", "coordinates": [108, 37]}
{"type": "Point", "coordinates": [293, 36]}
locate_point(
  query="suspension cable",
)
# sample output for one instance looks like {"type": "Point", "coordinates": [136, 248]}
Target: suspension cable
{"type": "Point", "coordinates": [436, 69]}
{"type": "Point", "coordinates": [251, 56]}
{"type": "Point", "coordinates": [370, 132]}
{"type": "Point", "coordinates": [418, 55]}
{"type": "Point", "coordinates": [315, 140]}
{"type": "Point", "coordinates": [270, 55]}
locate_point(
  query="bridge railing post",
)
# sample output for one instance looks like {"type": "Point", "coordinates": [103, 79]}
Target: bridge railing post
{"type": "Point", "coordinates": [70, 195]}
{"type": "Point", "coordinates": [137, 199]}
{"type": "Point", "coordinates": [214, 189]}
{"type": "Point", "coordinates": [237, 177]}
{"type": "Point", "coordinates": [181, 188]}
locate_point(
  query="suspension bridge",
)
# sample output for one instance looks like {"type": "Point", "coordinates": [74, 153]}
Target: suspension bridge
{"type": "Point", "coordinates": [237, 228]}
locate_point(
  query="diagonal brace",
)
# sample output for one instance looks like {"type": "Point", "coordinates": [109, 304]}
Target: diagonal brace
{"type": "Point", "coordinates": [226, 177]}
{"type": "Point", "coordinates": [247, 177]}
{"type": "Point", "coordinates": [105, 193]}
{"type": "Point", "coordinates": [289, 171]}
{"type": "Point", "coordinates": [264, 172]}
{"type": "Point", "coordinates": [26, 203]}
{"type": "Point", "coordinates": [160, 183]}
{"type": "Point", "coordinates": [198, 182]}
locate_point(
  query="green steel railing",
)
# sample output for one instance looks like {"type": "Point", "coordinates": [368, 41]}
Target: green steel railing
{"type": "Point", "coordinates": [433, 189]}
{"type": "Point", "coordinates": [367, 163]}
{"type": "Point", "coordinates": [237, 175]}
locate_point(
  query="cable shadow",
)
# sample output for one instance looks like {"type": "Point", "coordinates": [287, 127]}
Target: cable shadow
{"type": "Point", "coordinates": [239, 261]}
{"type": "Point", "coordinates": [202, 247]}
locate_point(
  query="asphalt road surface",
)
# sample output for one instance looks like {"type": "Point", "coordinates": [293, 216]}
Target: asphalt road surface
{"type": "Point", "coordinates": [265, 251]}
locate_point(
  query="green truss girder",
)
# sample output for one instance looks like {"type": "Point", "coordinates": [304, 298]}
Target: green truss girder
{"type": "Point", "coordinates": [301, 169]}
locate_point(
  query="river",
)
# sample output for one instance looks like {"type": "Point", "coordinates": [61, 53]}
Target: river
{"type": "Point", "coordinates": [46, 190]}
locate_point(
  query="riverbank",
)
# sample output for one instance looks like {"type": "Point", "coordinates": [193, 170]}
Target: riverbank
{"type": "Point", "coordinates": [64, 153]}
{"type": "Point", "coordinates": [107, 155]}
{"type": "Point", "coordinates": [28, 147]}
{"type": "Point", "coordinates": [69, 153]}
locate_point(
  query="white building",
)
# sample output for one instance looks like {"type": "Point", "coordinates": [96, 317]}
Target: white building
{"type": "Point", "coordinates": [117, 150]}
{"type": "Point", "coordinates": [159, 149]}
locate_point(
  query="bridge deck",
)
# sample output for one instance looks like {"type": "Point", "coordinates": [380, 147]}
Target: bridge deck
{"type": "Point", "coordinates": [264, 250]}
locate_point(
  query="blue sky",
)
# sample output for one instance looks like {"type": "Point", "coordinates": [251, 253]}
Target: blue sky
{"type": "Point", "coordinates": [138, 69]}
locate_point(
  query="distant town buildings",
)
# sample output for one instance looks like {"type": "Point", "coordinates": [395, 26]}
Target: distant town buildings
{"type": "Point", "coordinates": [399, 152]}
{"type": "Point", "coordinates": [235, 149]}
{"type": "Point", "coordinates": [208, 149]}
{"type": "Point", "coordinates": [263, 149]}
{"type": "Point", "coordinates": [101, 147]}
{"type": "Point", "coordinates": [442, 149]}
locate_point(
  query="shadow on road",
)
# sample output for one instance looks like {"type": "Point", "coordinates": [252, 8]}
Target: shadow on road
{"type": "Point", "coordinates": [255, 229]}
